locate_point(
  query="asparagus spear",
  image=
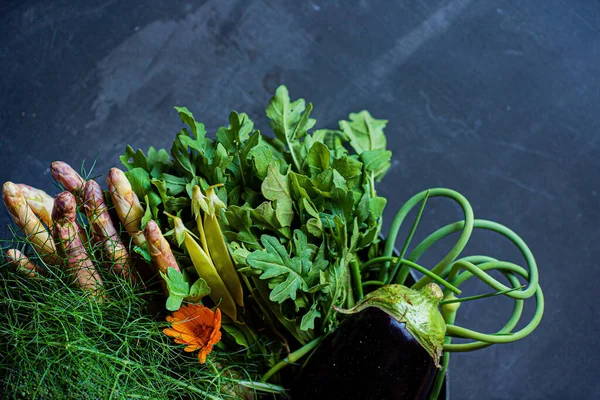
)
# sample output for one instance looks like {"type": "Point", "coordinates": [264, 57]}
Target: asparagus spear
{"type": "Point", "coordinates": [104, 232]}
{"type": "Point", "coordinates": [127, 205]}
{"type": "Point", "coordinates": [69, 245]}
{"type": "Point", "coordinates": [26, 220]}
{"type": "Point", "coordinates": [159, 249]}
{"type": "Point", "coordinates": [41, 203]}
{"type": "Point", "coordinates": [22, 263]}
{"type": "Point", "coordinates": [68, 177]}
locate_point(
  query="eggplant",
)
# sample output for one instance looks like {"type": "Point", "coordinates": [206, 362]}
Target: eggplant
{"type": "Point", "coordinates": [388, 349]}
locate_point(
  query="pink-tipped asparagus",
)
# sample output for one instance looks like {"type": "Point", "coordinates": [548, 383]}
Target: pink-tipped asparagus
{"type": "Point", "coordinates": [69, 245]}
{"type": "Point", "coordinates": [27, 221]}
{"type": "Point", "coordinates": [159, 249]}
{"type": "Point", "coordinates": [127, 205]}
{"type": "Point", "coordinates": [104, 232]}
{"type": "Point", "coordinates": [68, 177]}
{"type": "Point", "coordinates": [40, 202]}
{"type": "Point", "coordinates": [23, 264]}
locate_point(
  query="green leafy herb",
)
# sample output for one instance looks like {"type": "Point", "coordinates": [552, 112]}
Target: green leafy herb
{"type": "Point", "coordinates": [179, 289]}
{"type": "Point", "coordinates": [300, 205]}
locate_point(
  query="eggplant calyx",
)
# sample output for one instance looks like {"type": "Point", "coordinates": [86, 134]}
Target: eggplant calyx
{"type": "Point", "coordinates": [417, 309]}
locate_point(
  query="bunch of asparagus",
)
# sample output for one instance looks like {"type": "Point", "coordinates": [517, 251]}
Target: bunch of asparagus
{"type": "Point", "coordinates": [51, 227]}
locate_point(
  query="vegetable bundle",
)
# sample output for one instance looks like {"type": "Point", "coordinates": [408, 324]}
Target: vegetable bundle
{"type": "Point", "coordinates": [268, 248]}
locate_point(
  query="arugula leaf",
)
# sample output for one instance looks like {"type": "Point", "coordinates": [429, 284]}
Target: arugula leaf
{"type": "Point", "coordinates": [157, 156]}
{"type": "Point", "coordinates": [364, 132]}
{"type": "Point", "coordinates": [142, 187]}
{"type": "Point", "coordinates": [275, 262]}
{"type": "Point", "coordinates": [239, 227]}
{"type": "Point", "coordinates": [134, 159]}
{"type": "Point", "coordinates": [239, 130]}
{"type": "Point", "coordinates": [276, 187]}
{"type": "Point", "coordinates": [333, 139]}
{"type": "Point", "coordinates": [265, 217]}
{"type": "Point", "coordinates": [231, 141]}
{"type": "Point", "coordinates": [181, 155]}
{"type": "Point", "coordinates": [318, 159]}
{"type": "Point", "coordinates": [147, 213]}
{"type": "Point", "coordinates": [290, 121]}
{"type": "Point", "coordinates": [174, 185]}
{"type": "Point", "coordinates": [376, 206]}
{"type": "Point", "coordinates": [376, 162]}
{"type": "Point", "coordinates": [308, 320]}
{"type": "Point", "coordinates": [171, 204]}
{"type": "Point", "coordinates": [260, 157]}
{"type": "Point", "coordinates": [143, 252]}
{"type": "Point", "coordinates": [197, 129]}
{"type": "Point", "coordinates": [237, 334]}
{"type": "Point", "coordinates": [154, 163]}
{"type": "Point", "coordinates": [313, 225]}
{"type": "Point", "coordinates": [349, 167]}
{"type": "Point", "coordinates": [140, 182]}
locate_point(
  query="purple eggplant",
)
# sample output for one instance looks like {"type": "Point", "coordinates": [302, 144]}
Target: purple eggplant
{"type": "Point", "coordinates": [388, 349]}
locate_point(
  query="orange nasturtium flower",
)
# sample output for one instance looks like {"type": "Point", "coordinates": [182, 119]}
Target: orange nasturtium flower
{"type": "Point", "coordinates": [197, 327]}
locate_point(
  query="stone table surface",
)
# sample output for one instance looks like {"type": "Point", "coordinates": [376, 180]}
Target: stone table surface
{"type": "Point", "coordinates": [496, 99]}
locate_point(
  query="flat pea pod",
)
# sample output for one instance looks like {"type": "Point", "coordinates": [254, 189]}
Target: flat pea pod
{"type": "Point", "coordinates": [207, 271]}
{"type": "Point", "coordinates": [221, 258]}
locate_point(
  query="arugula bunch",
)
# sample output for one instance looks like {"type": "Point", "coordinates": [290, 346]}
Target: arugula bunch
{"type": "Point", "coordinates": [300, 205]}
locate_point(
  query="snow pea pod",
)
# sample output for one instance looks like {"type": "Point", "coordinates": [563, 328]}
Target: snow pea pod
{"type": "Point", "coordinates": [221, 258]}
{"type": "Point", "coordinates": [207, 271]}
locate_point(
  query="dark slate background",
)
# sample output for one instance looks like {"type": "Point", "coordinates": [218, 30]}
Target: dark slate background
{"type": "Point", "coordinates": [496, 99]}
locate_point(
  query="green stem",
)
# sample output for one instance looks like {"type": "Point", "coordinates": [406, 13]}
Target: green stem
{"type": "Point", "coordinates": [292, 358]}
{"type": "Point", "coordinates": [135, 364]}
{"type": "Point", "coordinates": [432, 275]}
{"type": "Point", "coordinates": [416, 266]}
{"type": "Point", "coordinates": [486, 225]}
{"type": "Point", "coordinates": [214, 368]}
{"type": "Point", "coordinates": [356, 279]}
{"type": "Point", "coordinates": [401, 278]}
{"type": "Point", "coordinates": [510, 274]}
{"type": "Point", "coordinates": [457, 331]}
{"type": "Point", "coordinates": [293, 154]}
{"type": "Point", "coordinates": [373, 283]}
{"type": "Point", "coordinates": [479, 296]}
{"type": "Point", "coordinates": [449, 313]}
{"type": "Point", "coordinates": [440, 268]}
{"type": "Point", "coordinates": [441, 374]}
{"type": "Point", "coordinates": [376, 260]}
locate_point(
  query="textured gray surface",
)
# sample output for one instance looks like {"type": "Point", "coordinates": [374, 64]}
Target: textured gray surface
{"type": "Point", "coordinates": [497, 99]}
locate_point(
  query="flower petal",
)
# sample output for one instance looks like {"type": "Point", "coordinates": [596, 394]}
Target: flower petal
{"type": "Point", "coordinates": [191, 348]}
{"type": "Point", "coordinates": [197, 327]}
{"type": "Point", "coordinates": [202, 356]}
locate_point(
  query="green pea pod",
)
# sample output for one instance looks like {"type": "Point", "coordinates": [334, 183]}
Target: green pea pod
{"type": "Point", "coordinates": [207, 271]}
{"type": "Point", "coordinates": [221, 258]}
